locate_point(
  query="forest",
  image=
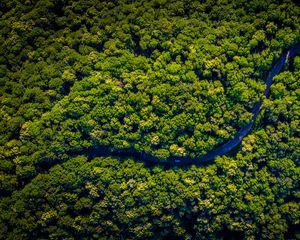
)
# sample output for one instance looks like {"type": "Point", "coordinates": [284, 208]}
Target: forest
{"type": "Point", "coordinates": [99, 99]}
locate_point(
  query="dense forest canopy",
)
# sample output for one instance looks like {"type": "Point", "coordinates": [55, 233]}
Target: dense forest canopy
{"type": "Point", "coordinates": [163, 77]}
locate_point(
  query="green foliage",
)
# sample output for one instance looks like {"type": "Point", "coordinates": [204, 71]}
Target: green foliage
{"type": "Point", "coordinates": [167, 78]}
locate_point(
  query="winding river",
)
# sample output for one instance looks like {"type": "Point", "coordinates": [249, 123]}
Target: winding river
{"type": "Point", "coordinates": [221, 150]}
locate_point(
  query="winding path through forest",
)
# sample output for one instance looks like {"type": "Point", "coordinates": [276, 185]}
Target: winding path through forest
{"type": "Point", "coordinates": [221, 150]}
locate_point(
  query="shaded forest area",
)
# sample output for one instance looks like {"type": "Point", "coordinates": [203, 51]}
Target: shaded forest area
{"type": "Point", "coordinates": [168, 78]}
